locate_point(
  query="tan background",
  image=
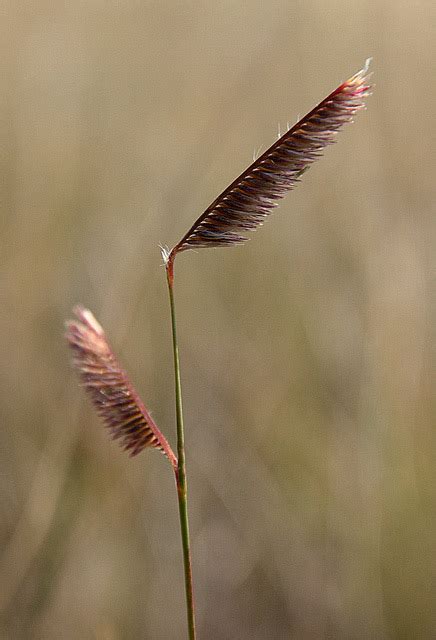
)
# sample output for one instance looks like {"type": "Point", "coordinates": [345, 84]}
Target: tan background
{"type": "Point", "coordinates": [305, 353]}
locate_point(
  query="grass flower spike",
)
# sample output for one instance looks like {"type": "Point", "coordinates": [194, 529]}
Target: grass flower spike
{"type": "Point", "coordinates": [110, 389]}
{"type": "Point", "coordinates": [245, 204]}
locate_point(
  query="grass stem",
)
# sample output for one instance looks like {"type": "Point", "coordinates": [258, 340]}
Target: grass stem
{"type": "Point", "coordinates": [182, 489]}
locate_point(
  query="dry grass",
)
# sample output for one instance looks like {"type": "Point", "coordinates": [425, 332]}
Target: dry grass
{"type": "Point", "coordinates": [305, 352]}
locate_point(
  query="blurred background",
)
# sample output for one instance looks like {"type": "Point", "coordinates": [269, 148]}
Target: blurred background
{"type": "Point", "coordinates": [305, 353]}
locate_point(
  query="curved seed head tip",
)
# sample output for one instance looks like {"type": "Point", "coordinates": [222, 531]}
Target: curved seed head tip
{"type": "Point", "coordinates": [88, 319]}
{"type": "Point", "coordinates": [365, 69]}
{"type": "Point", "coordinates": [110, 389]}
{"type": "Point", "coordinates": [249, 200]}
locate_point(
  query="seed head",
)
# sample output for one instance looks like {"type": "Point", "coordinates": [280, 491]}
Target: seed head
{"type": "Point", "coordinates": [110, 389]}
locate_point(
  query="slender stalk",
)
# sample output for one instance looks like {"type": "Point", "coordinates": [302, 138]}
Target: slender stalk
{"type": "Point", "coordinates": [182, 489]}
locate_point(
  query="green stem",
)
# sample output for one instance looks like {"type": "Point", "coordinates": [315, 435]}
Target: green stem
{"type": "Point", "coordinates": [182, 489]}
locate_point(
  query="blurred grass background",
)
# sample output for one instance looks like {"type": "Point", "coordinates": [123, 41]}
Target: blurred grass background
{"type": "Point", "coordinates": [305, 353]}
